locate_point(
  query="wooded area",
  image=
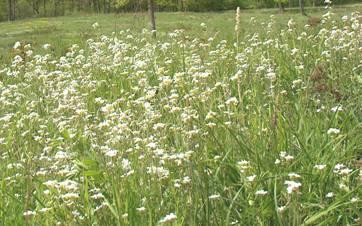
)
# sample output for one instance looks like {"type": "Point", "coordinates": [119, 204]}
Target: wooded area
{"type": "Point", "coordinates": [17, 9]}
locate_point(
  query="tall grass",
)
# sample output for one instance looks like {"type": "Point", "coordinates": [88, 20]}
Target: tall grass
{"type": "Point", "coordinates": [186, 130]}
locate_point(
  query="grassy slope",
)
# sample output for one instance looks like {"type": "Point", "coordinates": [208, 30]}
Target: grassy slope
{"type": "Point", "coordinates": [80, 112]}
{"type": "Point", "coordinates": [65, 31]}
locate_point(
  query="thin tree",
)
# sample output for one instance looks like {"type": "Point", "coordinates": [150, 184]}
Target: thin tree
{"type": "Point", "coordinates": [55, 7]}
{"type": "Point", "coordinates": [280, 5]}
{"type": "Point", "coordinates": [10, 9]}
{"type": "Point", "coordinates": [44, 7]}
{"type": "Point", "coordinates": [35, 5]}
{"type": "Point", "coordinates": [14, 9]}
{"type": "Point", "coordinates": [301, 7]}
{"type": "Point", "coordinates": [11, 16]}
{"type": "Point", "coordinates": [181, 3]}
{"type": "Point", "coordinates": [151, 11]}
{"type": "Point", "coordinates": [63, 7]}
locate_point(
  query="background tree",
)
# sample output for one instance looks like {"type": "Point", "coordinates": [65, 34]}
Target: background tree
{"type": "Point", "coordinates": [301, 7]}
{"type": "Point", "coordinates": [15, 9]}
{"type": "Point", "coordinates": [151, 11]}
{"type": "Point", "coordinates": [11, 10]}
{"type": "Point", "coordinates": [281, 4]}
{"type": "Point", "coordinates": [2, 10]}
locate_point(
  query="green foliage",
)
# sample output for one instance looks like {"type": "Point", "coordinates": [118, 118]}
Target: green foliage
{"type": "Point", "coordinates": [121, 3]}
{"type": "Point", "coordinates": [281, 1]}
{"type": "Point", "coordinates": [41, 8]}
{"type": "Point", "coordinates": [169, 5]}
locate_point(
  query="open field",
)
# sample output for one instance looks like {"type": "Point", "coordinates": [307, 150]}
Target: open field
{"type": "Point", "coordinates": [209, 124]}
{"type": "Point", "coordinates": [62, 32]}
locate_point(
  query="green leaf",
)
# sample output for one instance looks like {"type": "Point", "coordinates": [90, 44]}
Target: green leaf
{"type": "Point", "coordinates": [92, 173]}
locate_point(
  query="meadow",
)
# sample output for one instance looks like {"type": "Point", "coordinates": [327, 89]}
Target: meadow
{"type": "Point", "coordinates": [223, 119]}
{"type": "Point", "coordinates": [62, 32]}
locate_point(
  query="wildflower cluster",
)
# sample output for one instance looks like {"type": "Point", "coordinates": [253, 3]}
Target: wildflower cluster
{"type": "Point", "coordinates": [132, 130]}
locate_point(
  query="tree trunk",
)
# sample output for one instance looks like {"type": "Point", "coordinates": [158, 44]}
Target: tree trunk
{"type": "Point", "coordinates": [55, 7]}
{"type": "Point", "coordinates": [63, 7]}
{"type": "Point", "coordinates": [96, 6]}
{"type": "Point", "coordinates": [301, 6]}
{"type": "Point", "coordinates": [33, 4]}
{"type": "Point", "coordinates": [13, 10]}
{"type": "Point", "coordinates": [36, 7]}
{"type": "Point", "coordinates": [91, 5]}
{"type": "Point", "coordinates": [151, 11]}
{"type": "Point", "coordinates": [45, 8]}
{"type": "Point", "coordinates": [10, 8]}
{"type": "Point", "coordinates": [72, 6]}
{"type": "Point", "coordinates": [281, 7]}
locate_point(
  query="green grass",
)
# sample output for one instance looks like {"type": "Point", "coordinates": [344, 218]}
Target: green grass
{"type": "Point", "coordinates": [208, 126]}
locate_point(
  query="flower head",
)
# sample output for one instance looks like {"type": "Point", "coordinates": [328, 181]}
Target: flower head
{"type": "Point", "coordinates": [168, 218]}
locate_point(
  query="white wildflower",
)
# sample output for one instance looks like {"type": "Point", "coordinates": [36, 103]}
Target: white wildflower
{"type": "Point", "coordinates": [16, 45]}
{"type": "Point", "coordinates": [251, 178]}
{"type": "Point", "coordinates": [214, 197]}
{"type": "Point", "coordinates": [333, 131]}
{"type": "Point", "coordinates": [141, 209]}
{"type": "Point", "coordinates": [95, 25]}
{"type": "Point", "coordinates": [29, 213]}
{"type": "Point", "coordinates": [261, 192]}
{"type": "Point", "coordinates": [111, 153]}
{"type": "Point", "coordinates": [320, 167]}
{"type": "Point", "coordinates": [281, 209]}
{"type": "Point", "coordinates": [293, 175]}
{"type": "Point", "coordinates": [329, 195]}
{"type": "Point", "coordinates": [46, 46]}
{"type": "Point", "coordinates": [293, 186]}
{"type": "Point", "coordinates": [168, 218]}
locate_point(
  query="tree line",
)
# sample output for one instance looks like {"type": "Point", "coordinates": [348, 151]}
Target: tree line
{"type": "Point", "coordinates": [18, 9]}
